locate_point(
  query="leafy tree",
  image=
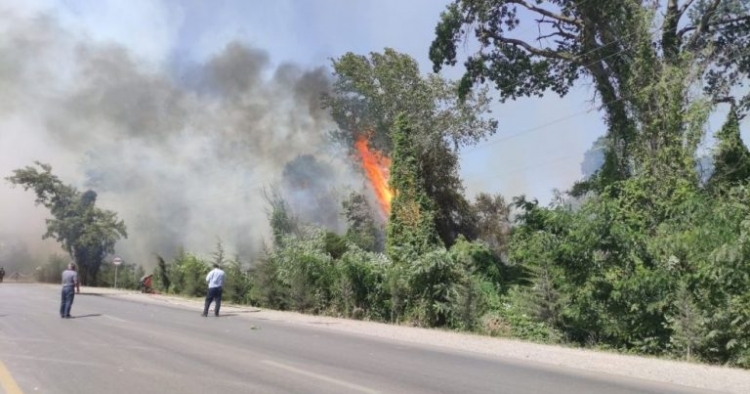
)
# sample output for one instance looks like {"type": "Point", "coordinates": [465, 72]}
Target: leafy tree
{"type": "Point", "coordinates": [619, 45]}
{"type": "Point", "coordinates": [411, 226]}
{"type": "Point", "coordinates": [305, 271]}
{"type": "Point", "coordinates": [493, 222]}
{"type": "Point", "coordinates": [238, 284]}
{"type": "Point", "coordinates": [731, 157]}
{"type": "Point", "coordinates": [367, 95]}
{"type": "Point", "coordinates": [361, 284]}
{"type": "Point", "coordinates": [86, 232]}
{"type": "Point", "coordinates": [362, 229]}
{"type": "Point", "coordinates": [187, 273]}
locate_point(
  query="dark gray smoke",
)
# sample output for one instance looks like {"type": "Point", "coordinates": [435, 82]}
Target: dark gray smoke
{"type": "Point", "coordinates": [181, 153]}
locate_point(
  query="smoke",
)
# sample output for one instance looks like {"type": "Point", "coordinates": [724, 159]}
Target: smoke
{"type": "Point", "coordinates": [181, 153]}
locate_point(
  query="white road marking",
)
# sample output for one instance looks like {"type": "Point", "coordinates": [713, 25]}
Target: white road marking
{"type": "Point", "coordinates": [117, 319]}
{"type": "Point", "coordinates": [321, 377]}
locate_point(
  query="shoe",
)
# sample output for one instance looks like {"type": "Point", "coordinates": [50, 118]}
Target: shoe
{"type": "Point", "coordinates": [204, 314]}
{"type": "Point", "coordinates": [216, 314]}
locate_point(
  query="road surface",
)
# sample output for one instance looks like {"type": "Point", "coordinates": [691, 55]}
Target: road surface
{"type": "Point", "coordinates": [119, 346]}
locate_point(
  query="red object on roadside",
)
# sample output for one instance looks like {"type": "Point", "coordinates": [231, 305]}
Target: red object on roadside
{"type": "Point", "coordinates": [146, 284]}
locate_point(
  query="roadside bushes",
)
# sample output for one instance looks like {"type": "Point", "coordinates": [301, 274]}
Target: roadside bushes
{"type": "Point", "coordinates": [186, 275]}
{"type": "Point", "coordinates": [440, 288]}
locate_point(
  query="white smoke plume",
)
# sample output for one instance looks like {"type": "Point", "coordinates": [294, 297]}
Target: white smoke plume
{"type": "Point", "coordinates": [181, 154]}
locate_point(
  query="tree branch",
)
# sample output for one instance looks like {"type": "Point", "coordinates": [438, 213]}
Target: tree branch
{"type": "Point", "coordinates": [724, 100]}
{"type": "Point", "coordinates": [555, 24]}
{"type": "Point", "coordinates": [534, 51]}
{"type": "Point", "coordinates": [688, 29]}
{"type": "Point", "coordinates": [547, 13]}
{"type": "Point", "coordinates": [685, 7]}
{"type": "Point", "coordinates": [703, 24]}
{"type": "Point", "coordinates": [558, 34]}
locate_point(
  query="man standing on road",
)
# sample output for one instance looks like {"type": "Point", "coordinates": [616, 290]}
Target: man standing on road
{"type": "Point", "coordinates": [2, 274]}
{"type": "Point", "coordinates": [69, 283]}
{"type": "Point", "coordinates": [215, 280]}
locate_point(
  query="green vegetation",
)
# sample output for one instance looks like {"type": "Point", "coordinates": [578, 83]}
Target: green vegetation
{"type": "Point", "coordinates": [643, 255]}
{"type": "Point", "coordinates": [86, 232]}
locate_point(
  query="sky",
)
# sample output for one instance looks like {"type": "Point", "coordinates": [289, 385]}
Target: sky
{"type": "Point", "coordinates": [538, 148]}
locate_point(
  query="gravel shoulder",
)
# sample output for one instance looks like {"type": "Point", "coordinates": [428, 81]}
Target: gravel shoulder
{"type": "Point", "coordinates": [715, 378]}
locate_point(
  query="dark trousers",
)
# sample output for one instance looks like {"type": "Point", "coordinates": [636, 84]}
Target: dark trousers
{"type": "Point", "coordinates": [66, 302]}
{"type": "Point", "coordinates": [214, 293]}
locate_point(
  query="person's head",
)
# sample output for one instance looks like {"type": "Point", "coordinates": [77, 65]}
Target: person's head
{"type": "Point", "coordinates": [216, 265]}
{"type": "Point", "coordinates": [72, 266]}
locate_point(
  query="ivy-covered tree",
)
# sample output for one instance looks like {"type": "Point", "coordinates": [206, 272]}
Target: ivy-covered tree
{"type": "Point", "coordinates": [493, 222]}
{"type": "Point", "coordinates": [86, 232]}
{"type": "Point", "coordinates": [411, 228]}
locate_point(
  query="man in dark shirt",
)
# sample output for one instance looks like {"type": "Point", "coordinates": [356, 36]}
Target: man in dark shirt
{"type": "Point", "coordinates": [69, 283]}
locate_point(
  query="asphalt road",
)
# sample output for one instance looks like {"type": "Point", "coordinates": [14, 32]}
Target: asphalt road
{"type": "Point", "coordinates": [118, 346]}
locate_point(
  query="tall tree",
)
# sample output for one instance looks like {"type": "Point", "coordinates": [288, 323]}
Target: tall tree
{"type": "Point", "coordinates": [86, 232]}
{"type": "Point", "coordinates": [731, 157]}
{"type": "Point", "coordinates": [367, 96]}
{"type": "Point", "coordinates": [411, 227]}
{"type": "Point", "coordinates": [623, 48]}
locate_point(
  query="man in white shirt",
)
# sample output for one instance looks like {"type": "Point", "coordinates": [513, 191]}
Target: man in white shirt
{"type": "Point", "coordinates": [215, 280]}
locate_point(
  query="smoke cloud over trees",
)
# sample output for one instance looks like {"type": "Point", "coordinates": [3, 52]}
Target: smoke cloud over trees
{"type": "Point", "coordinates": [182, 154]}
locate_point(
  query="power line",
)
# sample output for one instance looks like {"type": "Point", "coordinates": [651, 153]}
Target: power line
{"type": "Point", "coordinates": [555, 121]}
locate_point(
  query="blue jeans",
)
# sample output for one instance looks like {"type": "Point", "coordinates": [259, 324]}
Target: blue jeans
{"type": "Point", "coordinates": [66, 302]}
{"type": "Point", "coordinates": [214, 293]}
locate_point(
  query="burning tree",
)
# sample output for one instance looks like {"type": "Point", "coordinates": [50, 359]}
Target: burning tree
{"type": "Point", "coordinates": [376, 167]}
{"type": "Point", "coordinates": [367, 96]}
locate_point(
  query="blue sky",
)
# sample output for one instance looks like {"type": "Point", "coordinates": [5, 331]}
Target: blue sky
{"type": "Point", "coordinates": [540, 143]}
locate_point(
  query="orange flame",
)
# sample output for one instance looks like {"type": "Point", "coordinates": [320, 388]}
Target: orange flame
{"type": "Point", "coordinates": [376, 167]}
